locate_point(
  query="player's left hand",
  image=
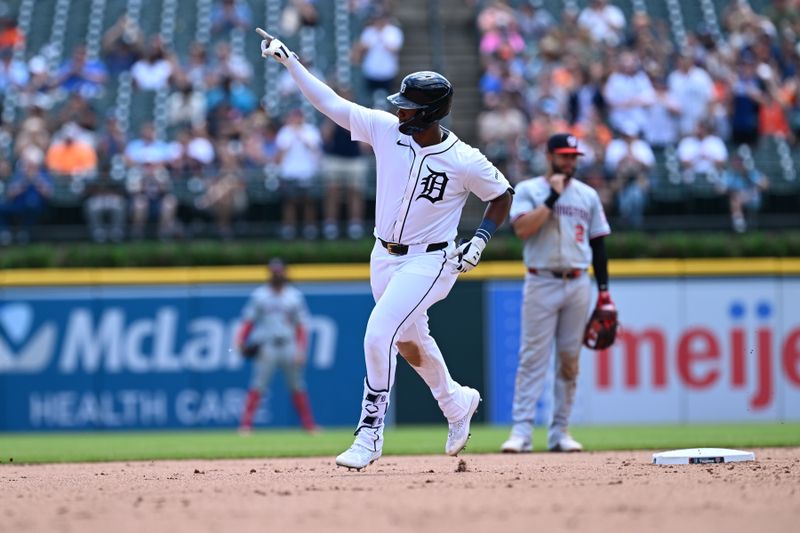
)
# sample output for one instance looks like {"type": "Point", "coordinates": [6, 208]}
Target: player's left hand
{"type": "Point", "coordinates": [468, 254]}
{"type": "Point", "coordinates": [272, 47]}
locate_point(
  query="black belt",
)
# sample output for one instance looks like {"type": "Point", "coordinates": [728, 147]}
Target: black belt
{"type": "Point", "coordinates": [560, 274]}
{"type": "Point", "coordinates": [402, 249]}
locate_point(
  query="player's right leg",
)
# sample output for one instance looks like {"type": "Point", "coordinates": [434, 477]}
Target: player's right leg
{"type": "Point", "coordinates": [404, 288]}
{"type": "Point", "coordinates": [458, 403]}
{"type": "Point", "coordinates": [263, 369]}
{"type": "Point", "coordinates": [540, 301]}
{"type": "Point", "coordinates": [569, 338]}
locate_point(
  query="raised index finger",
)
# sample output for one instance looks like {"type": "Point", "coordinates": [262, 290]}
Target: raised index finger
{"type": "Point", "coordinates": [264, 34]}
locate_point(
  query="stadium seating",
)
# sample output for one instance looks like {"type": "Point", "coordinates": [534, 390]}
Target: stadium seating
{"type": "Point", "coordinates": [55, 28]}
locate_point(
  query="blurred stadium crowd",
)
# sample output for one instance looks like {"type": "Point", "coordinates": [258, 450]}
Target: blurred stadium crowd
{"type": "Point", "coordinates": [162, 121]}
{"type": "Point", "coordinates": [664, 108]}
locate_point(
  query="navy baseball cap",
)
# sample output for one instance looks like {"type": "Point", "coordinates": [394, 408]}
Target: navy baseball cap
{"type": "Point", "coordinates": [563, 143]}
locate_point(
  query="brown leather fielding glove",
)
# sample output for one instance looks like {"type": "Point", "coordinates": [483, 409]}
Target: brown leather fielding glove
{"type": "Point", "coordinates": [601, 330]}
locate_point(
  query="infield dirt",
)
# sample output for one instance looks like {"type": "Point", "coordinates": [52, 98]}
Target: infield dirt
{"type": "Point", "coordinates": [608, 491]}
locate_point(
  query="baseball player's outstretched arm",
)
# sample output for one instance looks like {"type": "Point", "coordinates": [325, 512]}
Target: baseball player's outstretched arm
{"type": "Point", "coordinates": [317, 92]}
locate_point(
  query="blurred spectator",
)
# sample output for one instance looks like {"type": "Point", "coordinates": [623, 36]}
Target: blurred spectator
{"type": "Point", "coordinates": [13, 73]}
{"type": "Point", "coordinates": [500, 128]}
{"type": "Point", "coordinates": [147, 150]}
{"type": "Point", "coordinates": [377, 51]}
{"type": "Point", "coordinates": [497, 12]}
{"type": "Point", "coordinates": [227, 64]}
{"type": "Point", "coordinates": [586, 98]}
{"type": "Point", "coordinates": [259, 148]}
{"type": "Point", "coordinates": [743, 187]}
{"type": "Point", "coordinates": [233, 93]}
{"type": "Point", "coordinates": [104, 207]}
{"type": "Point", "coordinates": [33, 131]}
{"type": "Point", "coordinates": [154, 70]}
{"type": "Point", "coordinates": [151, 195]}
{"type": "Point", "coordinates": [662, 117]}
{"type": "Point", "coordinates": [691, 87]}
{"type": "Point", "coordinates": [747, 97]}
{"type": "Point", "coordinates": [604, 23]}
{"type": "Point", "coordinates": [628, 93]}
{"type": "Point", "coordinates": [533, 21]}
{"type": "Point", "coordinates": [82, 76]}
{"type": "Point", "coordinates": [123, 44]}
{"type": "Point", "coordinates": [344, 176]}
{"type": "Point", "coordinates": [503, 41]}
{"type": "Point", "coordinates": [186, 107]}
{"type": "Point", "coordinates": [27, 196]}
{"type": "Point", "coordinates": [38, 91]}
{"type": "Point", "coordinates": [628, 163]}
{"type": "Point", "coordinates": [225, 196]}
{"type": "Point", "coordinates": [702, 154]}
{"type": "Point", "coordinates": [10, 34]}
{"type": "Point", "coordinates": [298, 13]}
{"type": "Point", "coordinates": [299, 146]}
{"type": "Point", "coordinates": [77, 110]}
{"type": "Point", "coordinates": [196, 153]}
{"type": "Point", "coordinates": [772, 118]}
{"type": "Point", "coordinates": [71, 156]}
{"type": "Point", "coordinates": [784, 15]}
{"type": "Point", "coordinates": [111, 144]}
{"type": "Point", "coordinates": [197, 71]}
{"type": "Point", "coordinates": [227, 15]}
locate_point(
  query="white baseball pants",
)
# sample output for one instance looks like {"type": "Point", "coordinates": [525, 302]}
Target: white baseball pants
{"type": "Point", "coordinates": [404, 287]}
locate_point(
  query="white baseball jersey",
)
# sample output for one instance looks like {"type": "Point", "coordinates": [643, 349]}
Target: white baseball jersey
{"type": "Point", "coordinates": [563, 240]}
{"type": "Point", "coordinates": [276, 314]}
{"type": "Point", "coordinates": [421, 191]}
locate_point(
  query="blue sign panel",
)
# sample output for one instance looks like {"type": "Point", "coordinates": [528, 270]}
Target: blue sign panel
{"type": "Point", "coordinates": [504, 301]}
{"type": "Point", "coordinates": [163, 357]}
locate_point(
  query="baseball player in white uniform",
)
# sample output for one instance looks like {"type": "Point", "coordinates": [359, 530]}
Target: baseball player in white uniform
{"type": "Point", "coordinates": [563, 225]}
{"type": "Point", "coordinates": [424, 175]}
{"type": "Point", "coordinates": [274, 333]}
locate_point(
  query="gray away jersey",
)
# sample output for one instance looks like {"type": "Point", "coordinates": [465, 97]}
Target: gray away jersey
{"type": "Point", "coordinates": [275, 315]}
{"type": "Point", "coordinates": [421, 191]}
{"type": "Point", "coordinates": [563, 240]}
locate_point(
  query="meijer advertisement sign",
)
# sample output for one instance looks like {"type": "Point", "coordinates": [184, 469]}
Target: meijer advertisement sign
{"type": "Point", "coordinates": [690, 350]}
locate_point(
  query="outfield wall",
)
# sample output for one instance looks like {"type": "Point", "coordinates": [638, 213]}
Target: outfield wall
{"type": "Point", "coordinates": [96, 349]}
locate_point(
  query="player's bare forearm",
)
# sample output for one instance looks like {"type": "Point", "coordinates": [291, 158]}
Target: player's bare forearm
{"type": "Point", "coordinates": [531, 222]}
{"type": "Point", "coordinates": [497, 210]}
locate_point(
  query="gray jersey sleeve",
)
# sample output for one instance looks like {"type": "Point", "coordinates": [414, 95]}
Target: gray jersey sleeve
{"type": "Point", "coordinates": [302, 317]}
{"type": "Point", "coordinates": [598, 225]}
{"type": "Point", "coordinates": [252, 310]}
{"type": "Point", "coordinates": [523, 201]}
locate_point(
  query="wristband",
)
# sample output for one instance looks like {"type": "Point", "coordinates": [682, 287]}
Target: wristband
{"type": "Point", "coordinates": [552, 199]}
{"type": "Point", "coordinates": [486, 229]}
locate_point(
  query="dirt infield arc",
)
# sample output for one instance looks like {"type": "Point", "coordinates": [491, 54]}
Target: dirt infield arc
{"type": "Point", "coordinates": [613, 492]}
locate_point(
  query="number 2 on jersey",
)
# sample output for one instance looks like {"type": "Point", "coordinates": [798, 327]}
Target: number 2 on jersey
{"type": "Point", "coordinates": [579, 233]}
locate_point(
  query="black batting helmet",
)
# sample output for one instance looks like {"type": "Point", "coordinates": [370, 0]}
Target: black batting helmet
{"type": "Point", "coordinates": [427, 91]}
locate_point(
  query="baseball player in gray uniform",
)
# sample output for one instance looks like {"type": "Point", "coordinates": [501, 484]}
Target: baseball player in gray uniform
{"type": "Point", "coordinates": [563, 225]}
{"type": "Point", "coordinates": [424, 175]}
{"type": "Point", "coordinates": [274, 333]}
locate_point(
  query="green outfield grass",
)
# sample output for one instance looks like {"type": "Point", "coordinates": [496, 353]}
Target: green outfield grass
{"type": "Point", "coordinates": [123, 446]}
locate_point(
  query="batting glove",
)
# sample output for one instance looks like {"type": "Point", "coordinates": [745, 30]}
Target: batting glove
{"type": "Point", "coordinates": [275, 48]}
{"type": "Point", "coordinates": [468, 254]}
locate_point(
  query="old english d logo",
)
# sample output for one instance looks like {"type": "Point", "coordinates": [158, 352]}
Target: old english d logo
{"type": "Point", "coordinates": [433, 186]}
